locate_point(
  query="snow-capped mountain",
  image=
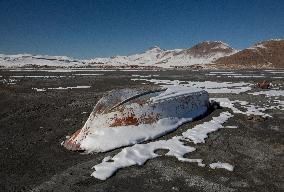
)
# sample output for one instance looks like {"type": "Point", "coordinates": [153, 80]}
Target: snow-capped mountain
{"type": "Point", "coordinates": [266, 54]}
{"type": "Point", "coordinates": [28, 60]}
{"type": "Point", "coordinates": [202, 53]}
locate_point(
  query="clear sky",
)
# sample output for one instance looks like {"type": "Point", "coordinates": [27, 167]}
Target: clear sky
{"type": "Point", "coordinates": [97, 28]}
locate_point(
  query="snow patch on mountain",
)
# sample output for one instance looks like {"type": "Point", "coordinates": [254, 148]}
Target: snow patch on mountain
{"type": "Point", "coordinates": [21, 60]}
{"type": "Point", "coordinates": [203, 53]}
{"type": "Point", "coordinates": [257, 46]}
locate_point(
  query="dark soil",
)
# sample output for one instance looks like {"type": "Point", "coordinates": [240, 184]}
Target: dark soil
{"type": "Point", "coordinates": [33, 125]}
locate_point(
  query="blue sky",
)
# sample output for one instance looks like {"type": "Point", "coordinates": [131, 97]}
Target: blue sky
{"type": "Point", "coordinates": [90, 28]}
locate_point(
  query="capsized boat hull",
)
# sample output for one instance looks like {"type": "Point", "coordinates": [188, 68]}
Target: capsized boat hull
{"type": "Point", "coordinates": [129, 110]}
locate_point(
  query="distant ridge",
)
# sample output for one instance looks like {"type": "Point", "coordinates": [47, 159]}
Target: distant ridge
{"type": "Point", "coordinates": [29, 60]}
{"type": "Point", "coordinates": [266, 54]}
{"type": "Point", "coordinates": [202, 53]}
{"type": "Point", "coordinates": [208, 54]}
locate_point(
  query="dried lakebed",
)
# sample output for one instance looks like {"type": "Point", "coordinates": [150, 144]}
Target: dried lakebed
{"type": "Point", "coordinates": [40, 108]}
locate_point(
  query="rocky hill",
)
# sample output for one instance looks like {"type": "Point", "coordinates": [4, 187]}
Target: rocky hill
{"type": "Point", "coordinates": [208, 54]}
{"type": "Point", "coordinates": [28, 60]}
{"type": "Point", "coordinates": [202, 53]}
{"type": "Point", "coordinates": [266, 54]}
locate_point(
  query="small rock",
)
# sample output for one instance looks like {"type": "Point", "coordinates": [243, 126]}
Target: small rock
{"type": "Point", "coordinates": [257, 118]}
{"type": "Point", "coordinates": [174, 188]}
{"type": "Point", "coordinates": [263, 85]}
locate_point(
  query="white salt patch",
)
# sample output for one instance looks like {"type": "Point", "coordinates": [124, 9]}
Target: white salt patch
{"type": "Point", "coordinates": [62, 70]}
{"type": "Point", "coordinates": [269, 93]}
{"type": "Point", "coordinates": [211, 74]}
{"type": "Point", "coordinates": [209, 86]}
{"type": "Point", "coordinates": [88, 74]}
{"type": "Point", "coordinates": [36, 76]}
{"type": "Point", "coordinates": [276, 72]}
{"type": "Point", "coordinates": [231, 127]}
{"type": "Point", "coordinates": [61, 88]}
{"type": "Point", "coordinates": [107, 158]}
{"type": "Point", "coordinates": [79, 70]}
{"type": "Point", "coordinates": [77, 87]}
{"type": "Point", "coordinates": [236, 75]}
{"type": "Point", "coordinates": [58, 70]}
{"type": "Point", "coordinates": [249, 108]}
{"type": "Point", "coordinates": [247, 76]}
{"type": "Point", "coordinates": [278, 104]}
{"type": "Point", "coordinates": [20, 69]}
{"type": "Point", "coordinates": [137, 70]}
{"type": "Point", "coordinates": [39, 90]}
{"type": "Point", "coordinates": [198, 161]}
{"type": "Point", "coordinates": [222, 72]}
{"type": "Point", "coordinates": [140, 153]}
{"type": "Point", "coordinates": [8, 81]}
{"type": "Point", "coordinates": [220, 165]}
{"type": "Point", "coordinates": [143, 76]}
{"type": "Point", "coordinates": [199, 133]}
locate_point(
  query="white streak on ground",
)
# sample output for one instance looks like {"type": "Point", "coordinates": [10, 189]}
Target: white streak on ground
{"type": "Point", "coordinates": [231, 127]}
{"type": "Point", "coordinates": [61, 88]}
{"type": "Point", "coordinates": [8, 81]}
{"type": "Point", "coordinates": [247, 76]}
{"type": "Point", "coordinates": [88, 74]}
{"type": "Point", "coordinates": [249, 108]}
{"type": "Point", "coordinates": [36, 76]}
{"type": "Point", "coordinates": [140, 153]}
{"type": "Point", "coordinates": [144, 76]}
{"type": "Point", "coordinates": [222, 72]}
{"type": "Point", "coordinates": [39, 89]}
{"type": "Point", "coordinates": [277, 72]}
{"type": "Point", "coordinates": [269, 93]}
{"type": "Point", "coordinates": [209, 86]}
{"type": "Point", "coordinates": [220, 165]}
{"type": "Point", "coordinates": [77, 87]}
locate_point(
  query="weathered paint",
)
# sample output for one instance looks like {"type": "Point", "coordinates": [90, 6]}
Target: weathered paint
{"type": "Point", "coordinates": [136, 106]}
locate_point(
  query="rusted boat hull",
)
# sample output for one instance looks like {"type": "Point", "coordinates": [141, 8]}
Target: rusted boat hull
{"type": "Point", "coordinates": [133, 107]}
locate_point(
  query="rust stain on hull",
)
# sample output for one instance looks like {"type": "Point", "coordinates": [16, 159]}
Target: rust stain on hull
{"type": "Point", "coordinates": [71, 144]}
{"type": "Point", "coordinates": [134, 107]}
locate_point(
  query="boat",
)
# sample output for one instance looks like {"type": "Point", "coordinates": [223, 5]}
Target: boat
{"type": "Point", "coordinates": [132, 115]}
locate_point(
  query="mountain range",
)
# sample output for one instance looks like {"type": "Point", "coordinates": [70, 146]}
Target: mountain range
{"type": "Point", "coordinates": [266, 54]}
{"type": "Point", "coordinates": [202, 53]}
{"type": "Point", "coordinates": [208, 54]}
